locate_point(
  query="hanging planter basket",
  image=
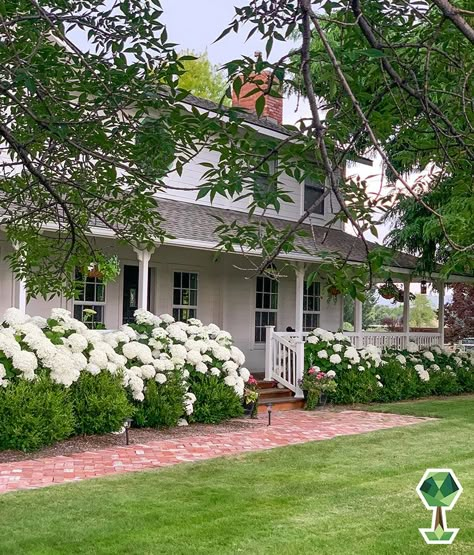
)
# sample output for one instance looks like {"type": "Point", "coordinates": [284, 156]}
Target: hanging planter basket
{"type": "Point", "coordinates": [389, 290]}
{"type": "Point", "coordinates": [95, 273]}
{"type": "Point", "coordinates": [334, 291]}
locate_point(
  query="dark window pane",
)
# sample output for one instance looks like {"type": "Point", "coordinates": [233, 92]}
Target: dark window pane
{"type": "Point", "coordinates": [260, 283]}
{"type": "Point", "coordinates": [78, 312]}
{"type": "Point", "coordinates": [100, 293]}
{"type": "Point", "coordinates": [274, 285]}
{"type": "Point", "coordinates": [259, 303]}
{"type": "Point", "coordinates": [177, 279]}
{"type": "Point", "coordinates": [176, 313]}
{"type": "Point", "coordinates": [193, 298]}
{"type": "Point", "coordinates": [266, 300]}
{"type": "Point", "coordinates": [185, 297]}
{"type": "Point", "coordinates": [311, 194]}
{"type": "Point", "coordinates": [176, 296]}
{"type": "Point", "coordinates": [185, 279]}
{"type": "Point", "coordinates": [90, 290]}
{"type": "Point", "coordinates": [274, 305]}
{"type": "Point", "coordinates": [194, 281]}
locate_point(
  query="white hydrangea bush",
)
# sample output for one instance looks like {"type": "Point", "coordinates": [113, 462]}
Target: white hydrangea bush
{"type": "Point", "coordinates": [188, 346]}
{"type": "Point", "coordinates": [371, 374]}
{"type": "Point", "coordinates": [151, 348]}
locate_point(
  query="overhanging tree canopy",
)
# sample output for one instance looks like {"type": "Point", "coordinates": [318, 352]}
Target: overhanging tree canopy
{"type": "Point", "coordinates": [81, 83]}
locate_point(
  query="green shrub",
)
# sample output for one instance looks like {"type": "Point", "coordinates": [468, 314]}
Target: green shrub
{"type": "Point", "coordinates": [34, 414]}
{"type": "Point", "coordinates": [355, 387]}
{"type": "Point", "coordinates": [400, 382]}
{"type": "Point", "coordinates": [100, 403]}
{"type": "Point", "coordinates": [215, 401]}
{"type": "Point", "coordinates": [444, 382]}
{"type": "Point", "coordinates": [466, 379]}
{"type": "Point", "coordinates": [163, 403]}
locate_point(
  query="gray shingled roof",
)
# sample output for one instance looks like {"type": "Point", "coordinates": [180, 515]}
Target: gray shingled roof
{"type": "Point", "coordinates": [196, 222]}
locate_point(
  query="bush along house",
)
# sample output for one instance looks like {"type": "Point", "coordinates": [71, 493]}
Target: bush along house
{"type": "Point", "coordinates": [182, 277]}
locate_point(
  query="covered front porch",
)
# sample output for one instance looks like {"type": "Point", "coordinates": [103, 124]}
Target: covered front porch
{"type": "Point", "coordinates": [284, 350]}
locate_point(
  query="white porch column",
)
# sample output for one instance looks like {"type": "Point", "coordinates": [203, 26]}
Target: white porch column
{"type": "Point", "coordinates": [20, 299]}
{"type": "Point", "coordinates": [358, 322]}
{"type": "Point", "coordinates": [299, 368]}
{"type": "Point", "coordinates": [406, 310]}
{"type": "Point", "coordinates": [269, 352]}
{"type": "Point", "coordinates": [22, 295]}
{"type": "Point", "coordinates": [143, 265]}
{"type": "Point", "coordinates": [300, 273]}
{"type": "Point", "coordinates": [441, 287]}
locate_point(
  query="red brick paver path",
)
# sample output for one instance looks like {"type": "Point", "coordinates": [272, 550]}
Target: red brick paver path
{"type": "Point", "coordinates": [288, 428]}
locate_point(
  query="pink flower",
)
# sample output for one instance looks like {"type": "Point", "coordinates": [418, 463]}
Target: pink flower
{"type": "Point", "coordinates": [311, 371]}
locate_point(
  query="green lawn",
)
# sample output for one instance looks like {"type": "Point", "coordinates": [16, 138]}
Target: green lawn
{"type": "Point", "coordinates": [348, 495]}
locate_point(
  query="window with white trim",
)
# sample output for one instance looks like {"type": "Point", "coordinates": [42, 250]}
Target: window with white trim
{"type": "Point", "coordinates": [185, 295]}
{"type": "Point", "coordinates": [266, 306]}
{"type": "Point", "coordinates": [311, 306]}
{"type": "Point", "coordinates": [265, 182]}
{"type": "Point", "coordinates": [89, 298]}
{"type": "Point", "coordinates": [312, 192]}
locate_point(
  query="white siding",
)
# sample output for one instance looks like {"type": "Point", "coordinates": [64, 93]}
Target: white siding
{"type": "Point", "coordinates": [192, 177]}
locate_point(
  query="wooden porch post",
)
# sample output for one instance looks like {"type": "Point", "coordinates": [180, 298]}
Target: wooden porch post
{"type": "Point", "coordinates": [406, 310]}
{"type": "Point", "coordinates": [143, 265]}
{"type": "Point", "coordinates": [269, 352]}
{"type": "Point", "coordinates": [441, 287]}
{"type": "Point", "coordinates": [358, 322]}
{"type": "Point", "coordinates": [300, 273]}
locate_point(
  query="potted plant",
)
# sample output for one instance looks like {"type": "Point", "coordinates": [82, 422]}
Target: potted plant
{"type": "Point", "coordinates": [389, 290]}
{"type": "Point", "coordinates": [250, 397]}
{"type": "Point", "coordinates": [317, 385]}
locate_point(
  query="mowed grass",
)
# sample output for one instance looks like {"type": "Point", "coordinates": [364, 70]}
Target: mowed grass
{"type": "Point", "coordinates": [353, 495]}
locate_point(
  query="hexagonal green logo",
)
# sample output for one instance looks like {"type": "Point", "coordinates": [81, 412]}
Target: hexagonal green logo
{"type": "Point", "coordinates": [439, 489]}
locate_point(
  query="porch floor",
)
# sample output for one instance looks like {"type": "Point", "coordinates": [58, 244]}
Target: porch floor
{"type": "Point", "coordinates": [288, 428]}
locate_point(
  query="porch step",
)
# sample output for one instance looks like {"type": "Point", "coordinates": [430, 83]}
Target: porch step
{"type": "Point", "coordinates": [280, 398]}
{"type": "Point", "coordinates": [279, 404]}
{"type": "Point", "coordinates": [274, 393]}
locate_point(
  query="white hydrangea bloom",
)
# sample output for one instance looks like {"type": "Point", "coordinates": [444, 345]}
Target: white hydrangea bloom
{"type": "Point", "coordinates": [167, 318]}
{"type": "Point", "coordinates": [412, 347]}
{"type": "Point", "coordinates": [429, 355]}
{"type": "Point", "coordinates": [221, 353]}
{"type": "Point", "coordinates": [201, 368]}
{"type": "Point", "coordinates": [237, 355]}
{"type": "Point", "coordinates": [335, 359]}
{"type": "Point", "coordinates": [160, 378]}
{"type": "Point", "coordinates": [244, 374]}
{"type": "Point", "coordinates": [337, 347]}
{"type": "Point", "coordinates": [323, 354]}
{"type": "Point", "coordinates": [331, 374]}
{"type": "Point", "coordinates": [194, 357]}
{"type": "Point", "coordinates": [401, 359]}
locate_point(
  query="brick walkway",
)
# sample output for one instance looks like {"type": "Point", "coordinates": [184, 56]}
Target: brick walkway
{"type": "Point", "coordinates": [288, 428]}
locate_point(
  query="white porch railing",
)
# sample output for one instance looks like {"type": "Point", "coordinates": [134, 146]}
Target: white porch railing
{"type": "Point", "coordinates": [284, 359]}
{"type": "Point", "coordinates": [396, 340]}
{"type": "Point", "coordinates": [284, 354]}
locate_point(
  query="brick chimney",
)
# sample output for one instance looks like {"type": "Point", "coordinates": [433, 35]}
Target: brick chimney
{"type": "Point", "coordinates": [273, 105]}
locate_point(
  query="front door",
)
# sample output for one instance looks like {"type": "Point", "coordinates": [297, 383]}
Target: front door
{"type": "Point", "coordinates": [130, 292]}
